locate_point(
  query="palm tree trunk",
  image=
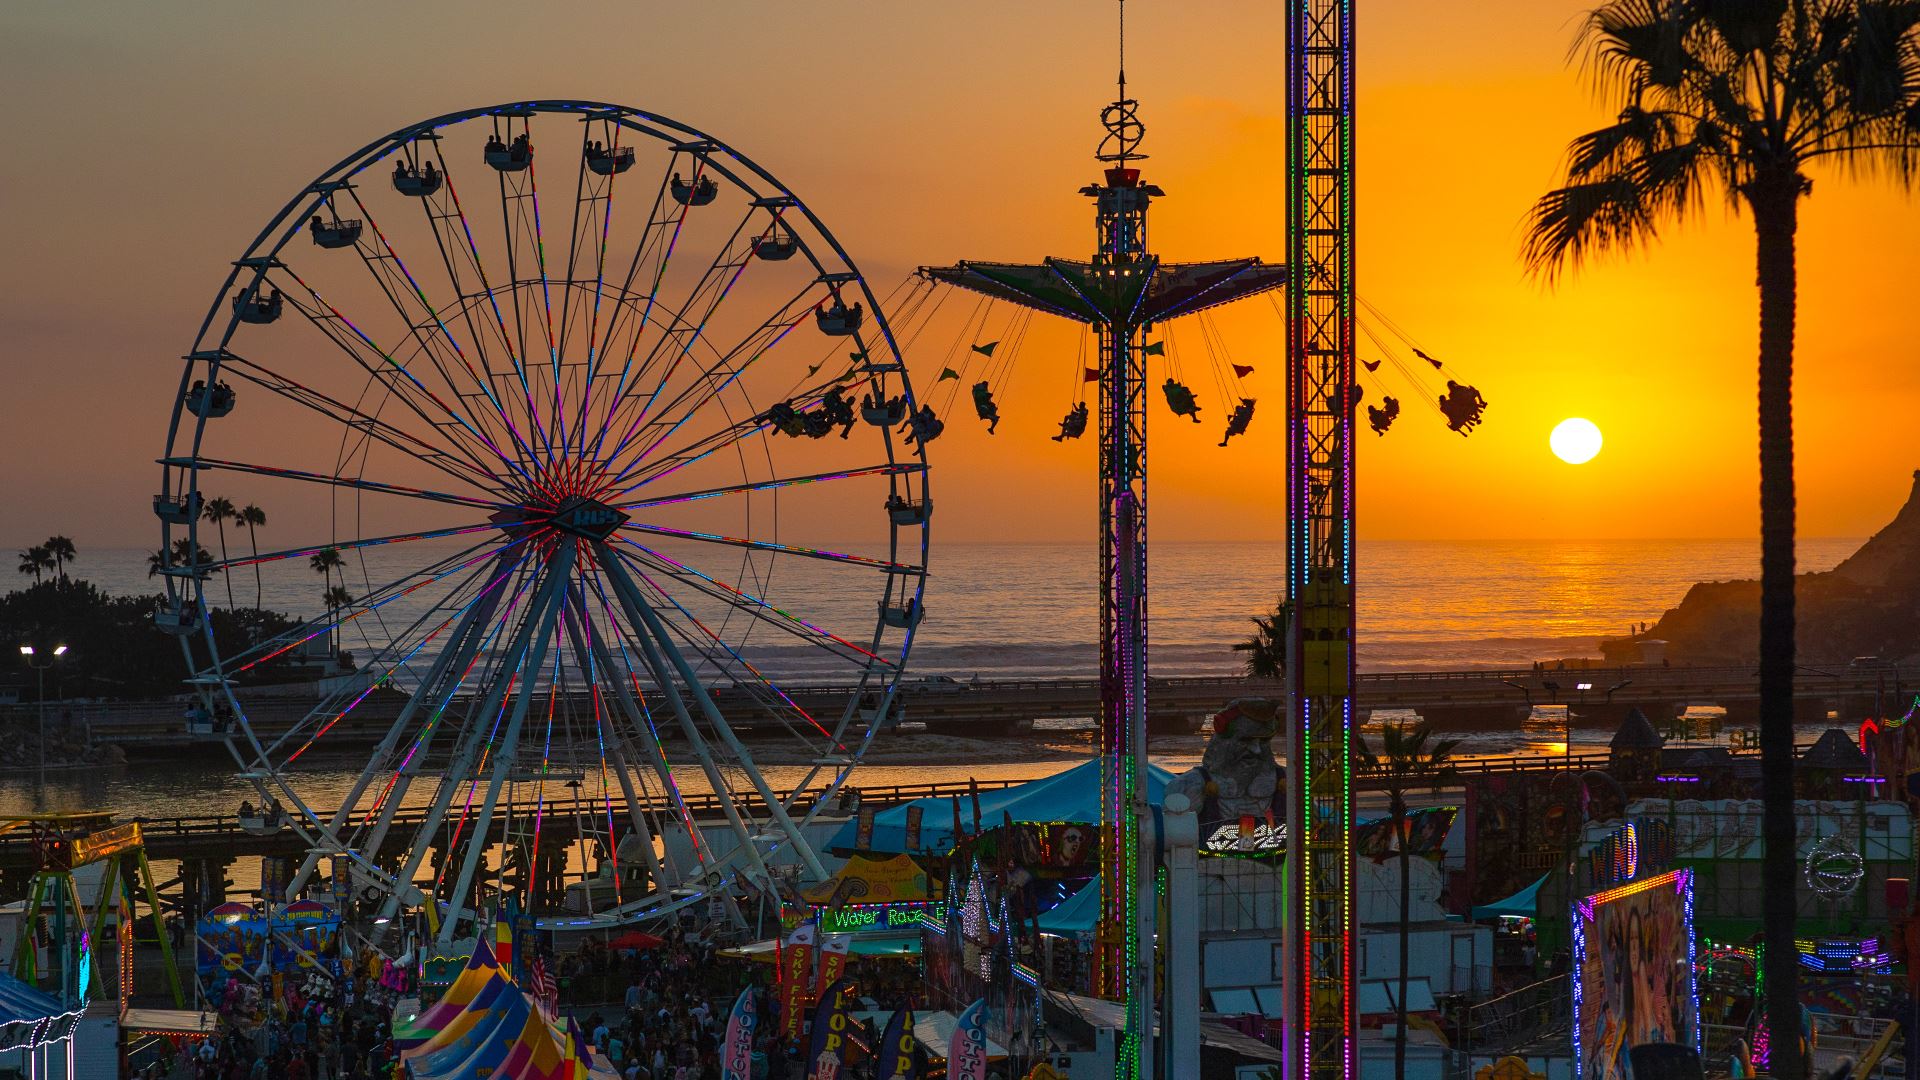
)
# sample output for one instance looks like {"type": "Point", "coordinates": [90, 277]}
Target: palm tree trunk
{"type": "Point", "coordinates": [1399, 810]}
{"type": "Point", "coordinates": [253, 541]}
{"type": "Point", "coordinates": [222, 524]}
{"type": "Point", "coordinates": [1775, 215]}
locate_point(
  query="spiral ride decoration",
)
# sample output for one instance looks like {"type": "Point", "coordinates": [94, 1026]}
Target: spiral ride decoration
{"type": "Point", "coordinates": [616, 551]}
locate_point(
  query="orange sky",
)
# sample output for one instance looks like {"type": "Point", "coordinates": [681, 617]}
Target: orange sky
{"type": "Point", "coordinates": [148, 143]}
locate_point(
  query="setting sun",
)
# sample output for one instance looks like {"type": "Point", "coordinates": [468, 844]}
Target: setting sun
{"type": "Point", "coordinates": [1575, 440]}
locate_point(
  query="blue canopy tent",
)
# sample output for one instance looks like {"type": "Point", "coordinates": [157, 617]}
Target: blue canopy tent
{"type": "Point", "coordinates": [1073, 795]}
{"type": "Point", "coordinates": [31, 1017]}
{"type": "Point", "coordinates": [1524, 904]}
{"type": "Point", "coordinates": [1077, 914]}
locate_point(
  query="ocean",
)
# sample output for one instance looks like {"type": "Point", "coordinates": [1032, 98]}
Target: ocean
{"type": "Point", "coordinates": [1027, 611]}
{"type": "Point", "coordinates": [1018, 611]}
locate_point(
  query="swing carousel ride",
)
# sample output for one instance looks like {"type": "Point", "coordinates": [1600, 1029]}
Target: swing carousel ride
{"type": "Point", "coordinates": [1128, 304]}
{"type": "Point", "coordinates": [577, 591]}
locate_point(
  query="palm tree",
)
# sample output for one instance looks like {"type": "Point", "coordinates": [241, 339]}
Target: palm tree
{"type": "Point", "coordinates": [1405, 762]}
{"type": "Point", "coordinates": [252, 517]}
{"type": "Point", "coordinates": [34, 560]}
{"type": "Point", "coordinates": [184, 553]}
{"type": "Point", "coordinates": [325, 562]}
{"type": "Point", "coordinates": [1267, 649]}
{"type": "Point", "coordinates": [336, 597]}
{"type": "Point", "coordinates": [63, 552]}
{"type": "Point", "coordinates": [219, 510]}
{"type": "Point", "coordinates": [1739, 100]}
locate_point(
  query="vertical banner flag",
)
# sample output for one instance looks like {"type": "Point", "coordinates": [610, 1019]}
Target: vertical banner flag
{"type": "Point", "coordinates": [827, 1052]}
{"type": "Point", "coordinates": [796, 980]}
{"type": "Point", "coordinates": [967, 1053]}
{"type": "Point", "coordinates": [833, 958]}
{"type": "Point", "coordinates": [899, 1051]}
{"type": "Point", "coordinates": [914, 813]}
{"type": "Point", "coordinates": [736, 1062]}
{"type": "Point", "coordinates": [863, 832]}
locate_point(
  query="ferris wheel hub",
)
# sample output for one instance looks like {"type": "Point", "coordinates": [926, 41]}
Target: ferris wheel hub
{"type": "Point", "coordinates": [587, 518]}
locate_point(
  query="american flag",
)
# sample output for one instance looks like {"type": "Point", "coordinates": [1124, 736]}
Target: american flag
{"type": "Point", "coordinates": [546, 992]}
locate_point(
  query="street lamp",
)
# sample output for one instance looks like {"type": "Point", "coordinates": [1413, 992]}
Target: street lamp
{"type": "Point", "coordinates": [40, 666]}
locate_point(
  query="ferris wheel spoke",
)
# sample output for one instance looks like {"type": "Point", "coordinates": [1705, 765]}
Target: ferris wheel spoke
{"type": "Point", "coordinates": [705, 386]}
{"type": "Point", "coordinates": [430, 332]}
{"type": "Point", "coordinates": [677, 324]}
{"type": "Point", "coordinates": [843, 558]}
{"type": "Point", "coordinates": [650, 629]}
{"type": "Point", "coordinates": [343, 545]}
{"type": "Point", "coordinates": [400, 382]}
{"type": "Point", "coordinates": [334, 480]}
{"type": "Point", "coordinates": [469, 299]}
{"type": "Point", "coordinates": [711, 647]}
{"type": "Point", "coordinates": [660, 236]}
{"type": "Point", "coordinates": [516, 223]}
{"type": "Point", "coordinates": [306, 631]}
{"type": "Point", "coordinates": [757, 608]}
{"type": "Point", "coordinates": [889, 469]}
{"type": "Point", "coordinates": [397, 664]}
{"type": "Point", "coordinates": [456, 465]}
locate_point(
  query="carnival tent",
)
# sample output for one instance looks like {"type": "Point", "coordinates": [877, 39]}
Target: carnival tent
{"type": "Point", "coordinates": [872, 879]}
{"type": "Point", "coordinates": [1070, 796]}
{"type": "Point", "coordinates": [1077, 914]}
{"type": "Point", "coordinates": [1523, 904]}
{"type": "Point", "coordinates": [486, 1026]}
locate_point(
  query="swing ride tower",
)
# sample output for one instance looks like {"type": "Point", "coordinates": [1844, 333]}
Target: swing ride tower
{"type": "Point", "coordinates": [1319, 949]}
{"type": "Point", "coordinates": [1123, 293]}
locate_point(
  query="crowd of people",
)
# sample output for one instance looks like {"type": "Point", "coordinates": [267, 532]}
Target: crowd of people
{"type": "Point", "coordinates": [319, 1028]}
{"type": "Point", "coordinates": [671, 1020]}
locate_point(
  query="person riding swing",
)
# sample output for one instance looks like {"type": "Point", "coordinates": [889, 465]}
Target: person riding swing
{"type": "Point", "coordinates": [1180, 400]}
{"type": "Point", "coordinates": [983, 405]}
{"type": "Point", "coordinates": [1237, 423]}
{"type": "Point", "coordinates": [1074, 424]}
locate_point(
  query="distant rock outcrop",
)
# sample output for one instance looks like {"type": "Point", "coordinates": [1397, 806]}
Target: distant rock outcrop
{"type": "Point", "coordinates": [1869, 605]}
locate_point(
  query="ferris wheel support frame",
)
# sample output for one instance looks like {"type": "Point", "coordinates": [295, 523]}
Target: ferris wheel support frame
{"type": "Point", "coordinates": [459, 649]}
{"type": "Point", "coordinates": [468, 751]}
{"type": "Point", "coordinates": [650, 620]}
{"type": "Point", "coordinates": [546, 612]}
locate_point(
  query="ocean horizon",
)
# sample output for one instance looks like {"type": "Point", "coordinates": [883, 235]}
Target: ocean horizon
{"type": "Point", "coordinates": [1011, 610]}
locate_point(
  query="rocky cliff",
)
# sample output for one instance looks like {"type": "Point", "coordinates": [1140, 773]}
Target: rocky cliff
{"type": "Point", "coordinates": [1869, 605]}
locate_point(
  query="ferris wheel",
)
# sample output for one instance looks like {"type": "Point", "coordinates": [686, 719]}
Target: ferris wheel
{"type": "Point", "coordinates": [597, 534]}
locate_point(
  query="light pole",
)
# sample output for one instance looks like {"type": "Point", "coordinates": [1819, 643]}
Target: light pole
{"type": "Point", "coordinates": [40, 666]}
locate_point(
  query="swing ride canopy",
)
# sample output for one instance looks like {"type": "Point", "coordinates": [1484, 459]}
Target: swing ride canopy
{"type": "Point", "coordinates": [1140, 293]}
{"type": "Point", "coordinates": [1072, 796]}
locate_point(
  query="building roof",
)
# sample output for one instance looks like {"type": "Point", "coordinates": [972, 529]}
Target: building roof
{"type": "Point", "coordinates": [1636, 733]}
{"type": "Point", "coordinates": [1834, 750]}
{"type": "Point", "coordinates": [1070, 796]}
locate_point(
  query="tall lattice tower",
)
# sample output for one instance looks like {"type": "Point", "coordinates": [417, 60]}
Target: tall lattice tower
{"type": "Point", "coordinates": [1123, 292]}
{"type": "Point", "coordinates": [1320, 666]}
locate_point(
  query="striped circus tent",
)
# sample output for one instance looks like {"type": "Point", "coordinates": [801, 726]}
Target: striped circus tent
{"type": "Point", "coordinates": [486, 1026]}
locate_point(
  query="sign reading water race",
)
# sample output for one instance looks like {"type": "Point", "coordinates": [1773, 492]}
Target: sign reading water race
{"type": "Point", "coordinates": [878, 917]}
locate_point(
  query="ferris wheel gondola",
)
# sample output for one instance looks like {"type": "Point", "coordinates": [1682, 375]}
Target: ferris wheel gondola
{"type": "Point", "coordinates": [579, 599]}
